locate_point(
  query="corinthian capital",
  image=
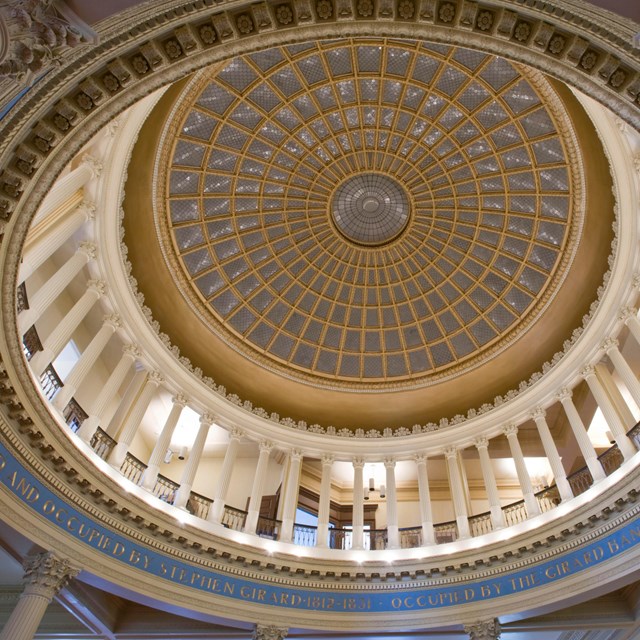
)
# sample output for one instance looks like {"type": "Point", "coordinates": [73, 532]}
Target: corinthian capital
{"type": "Point", "coordinates": [269, 632]}
{"type": "Point", "coordinates": [608, 344]}
{"type": "Point", "coordinates": [510, 430]}
{"type": "Point", "coordinates": [489, 630]}
{"type": "Point", "coordinates": [45, 574]}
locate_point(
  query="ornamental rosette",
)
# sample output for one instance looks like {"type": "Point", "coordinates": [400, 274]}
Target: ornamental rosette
{"type": "Point", "coordinates": [324, 9]}
{"type": "Point", "coordinates": [244, 23]}
{"type": "Point", "coordinates": [485, 20]}
{"type": "Point", "coordinates": [447, 12]}
{"type": "Point", "coordinates": [522, 31]}
{"type": "Point", "coordinates": [406, 9]}
{"type": "Point", "coordinates": [365, 8]}
{"type": "Point", "coordinates": [284, 15]}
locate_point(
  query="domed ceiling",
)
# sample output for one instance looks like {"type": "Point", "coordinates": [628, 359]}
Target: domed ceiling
{"type": "Point", "coordinates": [350, 229]}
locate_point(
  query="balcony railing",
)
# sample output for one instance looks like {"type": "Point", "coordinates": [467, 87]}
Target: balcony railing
{"type": "Point", "coordinates": [102, 443]}
{"type": "Point", "coordinates": [31, 343]}
{"type": "Point", "coordinates": [74, 415]}
{"type": "Point", "coordinates": [233, 518]}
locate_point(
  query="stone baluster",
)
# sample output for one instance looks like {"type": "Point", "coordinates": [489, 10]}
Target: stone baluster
{"type": "Point", "coordinates": [530, 501]}
{"type": "Point", "coordinates": [130, 427]}
{"type": "Point", "coordinates": [609, 412]}
{"type": "Point", "coordinates": [224, 480]}
{"type": "Point", "coordinates": [40, 301]}
{"type": "Point", "coordinates": [623, 369]}
{"type": "Point", "coordinates": [392, 504]}
{"type": "Point", "coordinates": [488, 630]}
{"type": "Point", "coordinates": [86, 361]}
{"type": "Point", "coordinates": [190, 469]}
{"type": "Point", "coordinates": [582, 437]}
{"type": "Point", "coordinates": [53, 344]}
{"type": "Point", "coordinates": [100, 413]}
{"type": "Point", "coordinates": [457, 493]}
{"type": "Point", "coordinates": [290, 501]}
{"type": "Point", "coordinates": [324, 502]}
{"type": "Point", "coordinates": [357, 520]}
{"type": "Point", "coordinates": [35, 255]}
{"type": "Point", "coordinates": [497, 516]}
{"type": "Point", "coordinates": [551, 452]}
{"type": "Point", "coordinates": [45, 575]}
{"type": "Point", "coordinates": [150, 474]}
{"type": "Point", "coordinates": [257, 489]}
{"type": "Point", "coordinates": [426, 512]}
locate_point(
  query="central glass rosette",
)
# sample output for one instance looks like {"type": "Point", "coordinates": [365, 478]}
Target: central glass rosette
{"type": "Point", "coordinates": [370, 209]}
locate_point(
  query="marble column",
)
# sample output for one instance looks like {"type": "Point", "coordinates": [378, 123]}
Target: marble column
{"type": "Point", "coordinates": [392, 504]}
{"type": "Point", "coordinates": [426, 512]}
{"type": "Point", "coordinates": [40, 301]}
{"type": "Point", "coordinates": [497, 516]}
{"type": "Point", "coordinates": [615, 395]}
{"type": "Point", "coordinates": [269, 632]}
{"type": "Point", "coordinates": [99, 413]}
{"type": "Point", "coordinates": [130, 427]}
{"type": "Point", "coordinates": [257, 489]}
{"type": "Point", "coordinates": [53, 344]}
{"type": "Point", "coordinates": [290, 500]}
{"type": "Point", "coordinates": [552, 454]}
{"type": "Point", "coordinates": [51, 241]}
{"type": "Point", "coordinates": [324, 501]}
{"type": "Point", "coordinates": [45, 575]}
{"type": "Point", "coordinates": [457, 493]}
{"type": "Point", "coordinates": [533, 508]}
{"type": "Point", "coordinates": [190, 469]}
{"type": "Point", "coordinates": [582, 437]}
{"type": "Point", "coordinates": [609, 412]}
{"type": "Point", "coordinates": [629, 316]}
{"type": "Point", "coordinates": [220, 495]}
{"type": "Point", "coordinates": [357, 521]}
{"type": "Point", "coordinates": [86, 361]}
{"type": "Point", "coordinates": [150, 474]}
{"type": "Point", "coordinates": [488, 630]}
{"type": "Point", "coordinates": [623, 369]}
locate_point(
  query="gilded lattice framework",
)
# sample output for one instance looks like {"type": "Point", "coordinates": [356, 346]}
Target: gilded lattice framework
{"type": "Point", "coordinates": [466, 168]}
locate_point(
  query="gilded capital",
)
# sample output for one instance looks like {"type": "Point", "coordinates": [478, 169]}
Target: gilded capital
{"type": "Point", "coordinates": [45, 574]}
{"type": "Point", "coordinates": [488, 630]}
{"type": "Point", "coordinates": [269, 632]}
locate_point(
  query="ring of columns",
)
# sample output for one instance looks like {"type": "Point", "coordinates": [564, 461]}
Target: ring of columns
{"type": "Point", "coordinates": [584, 364]}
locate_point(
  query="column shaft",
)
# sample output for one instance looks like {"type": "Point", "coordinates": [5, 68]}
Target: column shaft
{"type": "Point", "coordinates": [426, 515]}
{"type": "Point", "coordinates": [357, 521]}
{"type": "Point", "coordinates": [217, 509]}
{"type": "Point", "coordinates": [44, 248]}
{"type": "Point", "coordinates": [582, 437]}
{"type": "Point", "coordinates": [53, 344]}
{"type": "Point", "coordinates": [533, 508]}
{"type": "Point", "coordinates": [98, 413]}
{"type": "Point", "coordinates": [392, 505]}
{"type": "Point", "coordinates": [128, 431]}
{"type": "Point", "coordinates": [609, 412]}
{"type": "Point", "coordinates": [189, 472]}
{"type": "Point", "coordinates": [40, 301]}
{"type": "Point", "coordinates": [290, 501]}
{"type": "Point", "coordinates": [634, 326]}
{"type": "Point", "coordinates": [553, 457]}
{"type": "Point", "coordinates": [150, 474]}
{"type": "Point", "coordinates": [324, 502]}
{"type": "Point", "coordinates": [257, 490]}
{"type": "Point", "coordinates": [625, 372]}
{"type": "Point", "coordinates": [457, 494]}
{"type": "Point", "coordinates": [86, 362]}
{"type": "Point", "coordinates": [497, 517]}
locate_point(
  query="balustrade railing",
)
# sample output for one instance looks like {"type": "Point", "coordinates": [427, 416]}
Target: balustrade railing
{"type": "Point", "coordinates": [340, 538]}
{"type": "Point", "coordinates": [580, 481]}
{"type": "Point", "coordinates": [50, 382]}
{"type": "Point", "coordinates": [548, 498]}
{"type": "Point", "coordinates": [233, 518]}
{"type": "Point", "coordinates": [132, 468]}
{"type": "Point", "coordinates": [446, 532]}
{"type": "Point", "coordinates": [611, 459]}
{"type": "Point", "coordinates": [375, 539]}
{"type": "Point", "coordinates": [22, 302]}
{"type": "Point", "coordinates": [165, 489]}
{"type": "Point", "coordinates": [74, 415]}
{"type": "Point", "coordinates": [102, 443]}
{"type": "Point", "coordinates": [31, 343]}
{"type": "Point", "coordinates": [268, 528]}
{"type": "Point", "coordinates": [515, 513]}
{"type": "Point", "coordinates": [199, 505]}
{"type": "Point", "coordinates": [634, 436]}
{"type": "Point", "coordinates": [305, 535]}
{"type": "Point", "coordinates": [410, 537]}
{"type": "Point", "coordinates": [480, 524]}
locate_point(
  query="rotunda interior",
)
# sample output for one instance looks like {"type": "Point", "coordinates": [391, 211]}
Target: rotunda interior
{"type": "Point", "coordinates": [319, 320]}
